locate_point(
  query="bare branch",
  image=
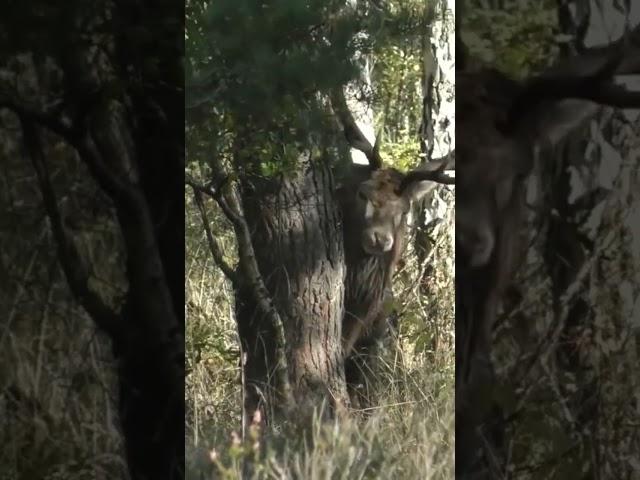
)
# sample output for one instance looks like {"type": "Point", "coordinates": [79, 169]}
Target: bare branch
{"type": "Point", "coordinates": [70, 259]}
{"type": "Point", "coordinates": [216, 252]}
{"type": "Point", "coordinates": [252, 278]}
{"type": "Point", "coordinates": [209, 188]}
{"type": "Point", "coordinates": [84, 144]}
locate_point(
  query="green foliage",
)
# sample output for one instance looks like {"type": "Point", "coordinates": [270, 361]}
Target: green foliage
{"type": "Point", "coordinates": [257, 74]}
{"type": "Point", "coordinates": [255, 71]}
{"type": "Point", "coordinates": [397, 80]}
{"type": "Point", "coordinates": [403, 154]}
{"type": "Point", "coordinates": [398, 77]}
{"type": "Point", "coordinates": [256, 77]}
{"type": "Point", "coordinates": [517, 39]}
{"type": "Point", "coordinates": [270, 56]}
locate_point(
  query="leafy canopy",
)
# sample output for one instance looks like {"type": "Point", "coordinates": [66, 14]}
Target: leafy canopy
{"type": "Point", "coordinates": [257, 73]}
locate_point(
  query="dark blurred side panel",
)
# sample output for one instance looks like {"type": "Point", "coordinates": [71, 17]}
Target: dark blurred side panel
{"type": "Point", "coordinates": [92, 240]}
{"type": "Point", "coordinates": [547, 240]}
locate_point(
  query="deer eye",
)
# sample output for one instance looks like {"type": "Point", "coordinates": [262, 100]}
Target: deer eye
{"type": "Point", "coordinates": [362, 196]}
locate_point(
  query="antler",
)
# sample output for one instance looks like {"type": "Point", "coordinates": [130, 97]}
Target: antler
{"type": "Point", "coordinates": [589, 76]}
{"type": "Point", "coordinates": [353, 134]}
{"type": "Point", "coordinates": [434, 171]}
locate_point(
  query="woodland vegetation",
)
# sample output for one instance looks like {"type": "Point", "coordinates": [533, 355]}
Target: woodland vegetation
{"type": "Point", "coordinates": [91, 175]}
{"type": "Point", "coordinates": [258, 121]}
{"type": "Point", "coordinates": [92, 337]}
{"type": "Point", "coordinates": [565, 346]}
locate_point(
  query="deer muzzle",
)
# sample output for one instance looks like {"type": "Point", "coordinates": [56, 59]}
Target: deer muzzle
{"type": "Point", "coordinates": [377, 241]}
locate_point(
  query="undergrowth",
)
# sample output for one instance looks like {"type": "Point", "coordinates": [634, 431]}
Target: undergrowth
{"type": "Point", "coordinates": [408, 435]}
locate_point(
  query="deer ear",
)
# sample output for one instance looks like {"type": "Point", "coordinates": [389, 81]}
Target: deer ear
{"type": "Point", "coordinates": [416, 191]}
{"type": "Point", "coordinates": [551, 123]}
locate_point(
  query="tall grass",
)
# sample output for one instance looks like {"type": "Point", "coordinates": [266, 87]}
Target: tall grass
{"type": "Point", "coordinates": [58, 417]}
{"type": "Point", "coordinates": [58, 413]}
{"type": "Point", "coordinates": [408, 435]}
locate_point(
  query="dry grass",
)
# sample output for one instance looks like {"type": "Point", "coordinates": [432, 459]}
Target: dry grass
{"type": "Point", "coordinates": [57, 403]}
{"type": "Point", "coordinates": [58, 415]}
{"type": "Point", "coordinates": [409, 436]}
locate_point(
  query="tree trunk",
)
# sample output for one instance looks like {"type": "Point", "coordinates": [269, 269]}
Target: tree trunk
{"type": "Point", "coordinates": [436, 138]}
{"type": "Point", "coordinates": [151, 396]}
{"type": "Point", "coordinates": [296, 233]}
{"type": "Point", "coordinates": [148, 334]}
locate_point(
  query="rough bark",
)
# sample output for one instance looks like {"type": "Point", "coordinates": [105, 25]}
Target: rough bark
{"type": "Point", "coordinates": [296, 232]}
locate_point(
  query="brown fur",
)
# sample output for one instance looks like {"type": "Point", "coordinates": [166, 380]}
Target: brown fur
{"type": "Point", "coordinates": [368, 278]}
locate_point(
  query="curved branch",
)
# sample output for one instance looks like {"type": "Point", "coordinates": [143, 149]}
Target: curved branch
{"type": "Point", "coordinates": [70, 259]}
{"type": "Point", "coordinates": [248, 265]}
{"type": "Point", "coordinates": [214, 248]}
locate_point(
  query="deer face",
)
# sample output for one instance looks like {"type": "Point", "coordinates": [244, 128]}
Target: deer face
{"type": "Point", "coordinates": [376, 206]}
{"type": "Point", "coordinates": [376, 200]}
{"type": "Point", "coordinates": [383, 211]}
{"type": "Point", "coordinates": [494, 160]}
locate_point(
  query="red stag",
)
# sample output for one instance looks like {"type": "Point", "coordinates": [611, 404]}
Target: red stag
{"type": "Point", "coordinates": [375, 202]}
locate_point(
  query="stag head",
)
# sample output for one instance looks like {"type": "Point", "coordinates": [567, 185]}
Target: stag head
{"type": "Point", "coordinates": [379, 198]}
{"type": "Point", "coordinates": [381, 204]}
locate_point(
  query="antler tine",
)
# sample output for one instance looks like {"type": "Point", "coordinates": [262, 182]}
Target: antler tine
{"type": "Point", "coordinates": [375, 154]}
{"type": "Point", "coordinates": [587, 77]}
{"type": "Point", "coordinates": [434, 171]}
{"type": "Point", "coordinates": [352, 132]}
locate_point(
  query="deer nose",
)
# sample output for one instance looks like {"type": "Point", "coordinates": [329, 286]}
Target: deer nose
{"type": "Point", "coordinates": [377, 241]}
{"type": "Point", "coordinates": [383, 241]}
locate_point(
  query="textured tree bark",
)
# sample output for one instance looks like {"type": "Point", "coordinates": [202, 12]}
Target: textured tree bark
{"type": "Point", "coordinates": [150, 353]}
{"type": "Point", "coordinates": [151, 393]}
{"type": "Point", "coordinates": [296, 234]}
{"type": "Point", "coordinates": [435, 125]}
{"type": "Point", "coordinates": [152, 364]}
